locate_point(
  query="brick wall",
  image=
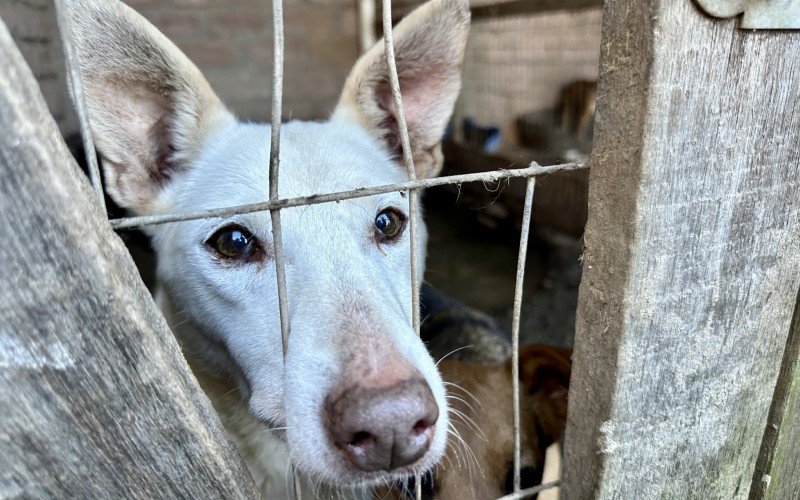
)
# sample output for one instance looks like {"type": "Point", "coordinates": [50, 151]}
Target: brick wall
{"type": "Point", "coordinates": [515, 65]}
{"type": "Point", "coordinates": [231, 42]}
{"type": "Point", "coordinates": [32, 24]}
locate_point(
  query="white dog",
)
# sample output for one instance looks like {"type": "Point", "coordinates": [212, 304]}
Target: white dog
{"type": "Point", "coordinates": [358, 399]}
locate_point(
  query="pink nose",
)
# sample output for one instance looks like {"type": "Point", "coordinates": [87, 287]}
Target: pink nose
{"type": "Point", "coordinates": [383, 428]}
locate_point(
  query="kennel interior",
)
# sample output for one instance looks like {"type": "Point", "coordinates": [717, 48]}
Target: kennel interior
{"type": "Point", "coordinates": [505, 122]}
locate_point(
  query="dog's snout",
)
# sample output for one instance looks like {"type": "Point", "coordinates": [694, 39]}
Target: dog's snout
{"type": "Point", "coordinates": [383, 428]}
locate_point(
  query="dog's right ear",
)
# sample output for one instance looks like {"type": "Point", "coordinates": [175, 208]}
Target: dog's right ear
{"type": "Point", "coordinates": [150, 109]}
{"type": "Point", "coordinates": [429, 51]}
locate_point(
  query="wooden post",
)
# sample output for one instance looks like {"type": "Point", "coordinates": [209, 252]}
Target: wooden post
{"type": "Point", "coordinates": [691, 262]}
{"type": "Point", "coordinates": [777, 474]}
{"type": "Point", "coordinates": [97, 400]}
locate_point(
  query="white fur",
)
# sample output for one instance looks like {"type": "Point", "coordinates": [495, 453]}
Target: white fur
{"type": "Point", "coordinates": [169, 145]}
{"type": "Point", "coordinates": [332, 264]}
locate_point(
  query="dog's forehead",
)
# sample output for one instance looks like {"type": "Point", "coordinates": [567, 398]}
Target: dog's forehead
{"type": "Point", "coordinates": [315, 157]}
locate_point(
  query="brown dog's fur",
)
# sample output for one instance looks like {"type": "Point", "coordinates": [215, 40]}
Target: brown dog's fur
{"type": "Point", "coordinates": [479, 464]}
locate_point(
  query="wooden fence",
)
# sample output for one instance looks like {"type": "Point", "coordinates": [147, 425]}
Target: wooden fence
{"type": "Point", "coordinates": [686, 377]}
{"type": "Point", "coordinates": [691, 264]}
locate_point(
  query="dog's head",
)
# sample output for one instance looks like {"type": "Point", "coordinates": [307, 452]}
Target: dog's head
{"type": "Point", "coordinates": [361, 399]}
{"type": "Point", "coordinates": [479, 459]}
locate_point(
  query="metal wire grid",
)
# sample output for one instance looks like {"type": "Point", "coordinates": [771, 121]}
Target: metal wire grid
{"type": "Point", "coordinates": [275, 203]}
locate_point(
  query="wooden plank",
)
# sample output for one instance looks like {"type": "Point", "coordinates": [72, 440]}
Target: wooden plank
{"type": "Point", "coordinates": [483, 10]}
{"type": "Point", "coordinates": [690, 264]}
{"type": "Point", "coordinates": [98, 401]}
{"type": "Point", "coordinates": [777, 474]}
{"type": "Point", "coordinates": [488, 10]}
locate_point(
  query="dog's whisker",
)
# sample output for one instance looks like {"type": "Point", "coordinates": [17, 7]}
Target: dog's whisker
{"type": "Point", "coordinates": [469, 453]}
{"type": "Point", "coordinates": [452, 432]}
{"type": "Point", "coordinates": [449, 462]}
{"type": "Point", "coordinates": [468, 421]}
{"type": "Point", "coordinates": [451, 396]}
{"type": "Point", "coordinates": [180, 323]}
{"type": "Point", "coordinates": [452, 352]}
{"type": "Point", "coordinates": [469, 459]}
{"type": "Point", "coordinates": [465, 391]}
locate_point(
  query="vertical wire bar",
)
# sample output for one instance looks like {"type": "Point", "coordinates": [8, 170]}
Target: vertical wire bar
{"type": "Point", "coordinates": [521, 257]}
{"type": "Point", "coordinates": [79, 100]}
{"type": "Point", "coordinates": [274, 166]}
{"type": "Point", "coordinates": [274, 169]}
{"type": "Point", "coordinates": [408, 161]}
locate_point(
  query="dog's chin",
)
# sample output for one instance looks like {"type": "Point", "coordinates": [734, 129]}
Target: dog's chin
{"type": "Point", "coordinates": [333, 468]}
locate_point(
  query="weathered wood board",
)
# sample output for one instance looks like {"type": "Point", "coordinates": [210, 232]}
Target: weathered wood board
{"type": "Point", "coordinates": [97, 400]}
{"type": "Point", "coordinates": [691, 262]}
{"type": "Point", "coordinates": [777, 474]}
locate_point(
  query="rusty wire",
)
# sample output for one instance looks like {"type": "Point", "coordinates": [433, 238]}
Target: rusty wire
{"type": "Point", "coordinates": [521, 257]}
{"type": "Point", "coordinates": [79, 101]}
{"type": "Point", "coordinates": [408, 157]}
{"type": "Point", "coordinates": [215, 213]}
{"type": "Point", "coordinates": [408, 161]}
{"type": "Point", "coordinates": [275, 204]}
{"type": "Point", "coordinates": [529, 492]}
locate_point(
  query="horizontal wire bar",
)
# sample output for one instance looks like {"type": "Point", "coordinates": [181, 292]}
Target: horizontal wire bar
{"type": "Point", "coordinates": [531, 491]}
{"type": "Point", "coordinates": [495, 175]}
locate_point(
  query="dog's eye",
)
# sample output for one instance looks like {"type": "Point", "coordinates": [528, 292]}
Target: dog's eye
{"type": "Point", "coordinates": [389, 224]}
{"type": "Point", "coordinates": [234, 242]}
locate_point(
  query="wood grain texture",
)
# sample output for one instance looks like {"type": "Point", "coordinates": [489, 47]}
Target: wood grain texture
{"type": "Point", "coordinates": [777, 474]}
{"type": "Point", "coordinates": [691, 264]}
{"type": "Point", "coordinates": [98, 401]}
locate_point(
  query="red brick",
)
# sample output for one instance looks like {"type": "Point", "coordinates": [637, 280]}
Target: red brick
{"type": "Point", "coordinates": [202, 3]}
{"type": "Point", "coordinates": [348, 22]}
{"type": "Point", "coordinates": [177, 24]}
{"type": "Point", "coordinates": [259, 53]}
{"type": "Point", "coordinates": [254, 20]}
{"type": "Point", "coordinates": [310, 20]}
{"type": "Point", "coordinates": [342, 3]}
{"type": "Point", "coordinates": [141, 3]}
{"type": "Point", "coordinates": [217, 53]}
{"type": "Point", "coordinates": [333, 51]}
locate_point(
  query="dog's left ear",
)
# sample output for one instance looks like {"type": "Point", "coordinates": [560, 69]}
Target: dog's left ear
{"type": "Point", "coordinates": [429, 51]}
{"type": "Point", "coordinates": [150, 108]}
{"type": "Point", "coordinates": [544, 372]}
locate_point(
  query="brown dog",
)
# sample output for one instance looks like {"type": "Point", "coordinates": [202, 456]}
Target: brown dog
{"type": "Point", "coordinates": [479, 458]}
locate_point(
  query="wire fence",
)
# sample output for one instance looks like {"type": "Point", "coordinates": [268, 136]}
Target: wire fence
{"type": "Point", "coordinates": [275, 203]}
